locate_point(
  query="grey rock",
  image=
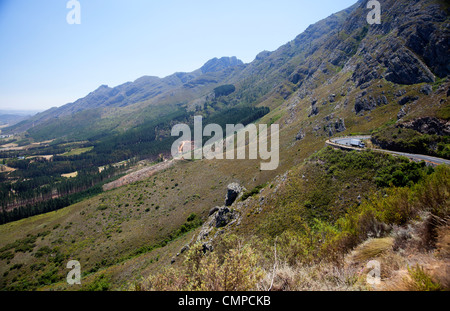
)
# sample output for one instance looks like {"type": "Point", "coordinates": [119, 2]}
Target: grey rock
{"type": "Point", "coordinates": [407, 99]}
{"type": "Point", "coordinates": [426, 89]}
{"type": "Point", "coordinates": [184, 249]}
{"type": "Point", "coordinates": [402, 113]}
{"type": "Point", "coordinates": [233, 191]}
{"type": "Point", "coordinates": [223, 217]}
{"type": "Point", "coordinates": [400, 93]}
{"type": "Point", "coordinates": [335, 127]}
{"type": "Point", "coordinates": [300, 135]}
{"type": "Point", "coordinates": [328, 118]}
{"type": "Point", "coordinates": [213, 210]}
{"type": "Point", "coordinates": [428, 125]}
{"type": "Point", "coordinates": [339, 126]}
{"type": "Point", "coordinates": [314, 111]}
{"type": "Point", "coordinates": [403, 67]}
{"type": "Point", "coordinates": [369, 103]}
{"type": "Point", "coordinates": [365, 85]}
{"type": "Point", "coordinates": [207, 247]}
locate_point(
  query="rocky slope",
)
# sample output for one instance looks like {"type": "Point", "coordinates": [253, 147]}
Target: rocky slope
{"type": "Point", "coordinates": [341, 76]}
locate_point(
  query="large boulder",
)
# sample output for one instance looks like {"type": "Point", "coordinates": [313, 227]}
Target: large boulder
{"type": "Point", "coordinates": [300, 135]}
{"type": "Point", "coordinates": [213, 210]}
{"type": "Point", "coordinates": [314, 111]}
{"type": "Point", "coordinates": [233, 191]}
{"type": "Point", "coordinates": [407, 99]}
{"type": "Point", "coordinates": [223, 217]}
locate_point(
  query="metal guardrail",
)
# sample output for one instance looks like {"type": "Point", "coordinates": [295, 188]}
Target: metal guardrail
{"type": "Point", "coordinates": [413, 157]}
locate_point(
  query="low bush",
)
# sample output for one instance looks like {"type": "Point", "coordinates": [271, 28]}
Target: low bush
{"type": "Point", "coordinates": [421, 281]}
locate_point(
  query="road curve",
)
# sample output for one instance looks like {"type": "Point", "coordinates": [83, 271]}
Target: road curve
{"type": "Point", "coordinates": [344, 142]}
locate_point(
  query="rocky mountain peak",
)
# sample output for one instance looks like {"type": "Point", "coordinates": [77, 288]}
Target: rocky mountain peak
{"type": "Point", "coordinates": [217, 64]}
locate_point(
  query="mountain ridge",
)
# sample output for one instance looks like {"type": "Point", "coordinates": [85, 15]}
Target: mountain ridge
{"type": "Point", "coordinates": [129, 93]}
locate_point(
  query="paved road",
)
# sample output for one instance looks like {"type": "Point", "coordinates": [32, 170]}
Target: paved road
{"type": "Point", "coordinates": [345, 141]}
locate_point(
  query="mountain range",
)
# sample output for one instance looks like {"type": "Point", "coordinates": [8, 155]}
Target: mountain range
{"type": "Point", "coordinates": [398, 51]}
{"type": "Point", "coordinates": [315, 221]}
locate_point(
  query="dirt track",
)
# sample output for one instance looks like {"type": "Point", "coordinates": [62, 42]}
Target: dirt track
{"type": "Point", "coordinates": [138, 175]}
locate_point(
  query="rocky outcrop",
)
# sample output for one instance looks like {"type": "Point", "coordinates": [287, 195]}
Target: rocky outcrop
{"type": "Point", "coordinates": [426, 38]}
{"type": "Point", "coordinates": [403, 112]}
{"type": "Point", "coordinates": [369, 103]}
{"type": "Point", "coordinates": [217, 64]}
{"type": "Point", "coordinates": [336, 126]}
{"type": "Point", "coordinates": [365, 72]}
{"type": "Point", "coordinates": [223, 217]}
{"type": "Point", "coordinates": [403, 67]}
{"type": "Point", "coordinates": [314, 111]}
{"type": "Point", "coordinates": [428, 125]}
{"type": "Point", "coordinates": [426, 89]}
{"type": "Point", "coordinates": [300, 135]}
{"type": "Point", "coordinates": [407, 99]}
{"type": "Point", "coordinates": [412, 45]}
{"type": "Point", "coordinates": [339, 126]}
{"type": "Point", "coordinates": [233, 191]}
{"type": "Point", "coordinates": [332, 98]}
{"type": "Point", "coordinates": [213, 211]}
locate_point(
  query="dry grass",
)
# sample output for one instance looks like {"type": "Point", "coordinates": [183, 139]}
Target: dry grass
{"type": "Point", "coordinates": [315, 277]}
{"type": "Point", "coordinates": [422, 272]}
{"type": "Point", "coordinates": [371, 249]}
{"type": "Point", "coordinates": [443, 242]}
{"type": "Point", "coordinates": [419, 268]}
{"type": "Point", "coordinates": [4, 168]}
{"type": "Point", "coordinates": [70, 175]}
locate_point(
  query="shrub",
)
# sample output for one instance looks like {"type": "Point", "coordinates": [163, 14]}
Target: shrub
{"type": "Point", "coordinates": [421, 281]}
{"type": "Point", "coordinates": [101, 283]}
{"type": "Point", "coordinates": [49, 277]}
{"type": "Point", "coordinates": [102, 207]}
{"type": "Point", "coordinates": [252, 192]}
{"type": "Point", "coordinates": [7, 255]}
{"type": "Point", "coordinates": [236, 270]}
{"type": "Point", "coordinates": [45, 250]}
{"type": "Point", "coordinates": [192, 217]}
{"type": "Point", "coordinates": [16, 266]}
{"type": "Point", "coordinates": [434, 194]}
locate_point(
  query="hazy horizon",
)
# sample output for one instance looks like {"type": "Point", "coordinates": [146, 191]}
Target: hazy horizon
{"type": "Point", "coordinates": [49, 63]}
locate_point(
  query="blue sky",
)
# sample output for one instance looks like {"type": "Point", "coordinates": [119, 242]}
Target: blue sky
{"type": "Point", "coordinates": [45, 62]}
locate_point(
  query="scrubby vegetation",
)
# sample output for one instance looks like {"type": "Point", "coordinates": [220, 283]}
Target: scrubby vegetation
{"type": "Point", "coordinates": [224, 90]}
{"type": "Point", "coordinates": [231, 269]}
{"type": "Point", "coordinates": [411, 141]}
{"type": "Point", "coordinates": [252, 192]}
{"type": "Point", "coordinates": [306, 228]}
